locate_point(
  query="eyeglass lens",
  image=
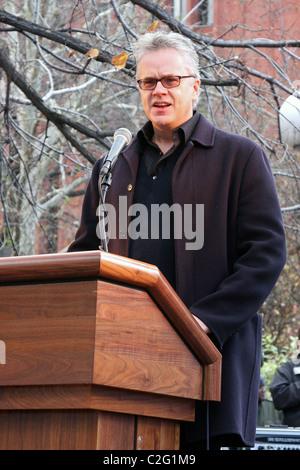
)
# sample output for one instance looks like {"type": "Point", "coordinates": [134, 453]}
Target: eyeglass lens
{"type": "Point", "coordinates": [167, 82]}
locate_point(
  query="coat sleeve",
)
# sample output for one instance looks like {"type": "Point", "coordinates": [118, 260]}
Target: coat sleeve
{"type": "Point", "coordinates": [284, 389]}
{"type": "Point", "coordinates": [86, 236]}
{"type": "Point", "coordinates": [259, 254]}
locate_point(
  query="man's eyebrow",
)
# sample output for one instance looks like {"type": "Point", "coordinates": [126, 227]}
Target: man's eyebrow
{"type": "Point", "coordinates": [163, 76]}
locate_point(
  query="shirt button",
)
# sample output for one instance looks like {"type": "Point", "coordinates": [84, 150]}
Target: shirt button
{"type": "Point", "coordinates": [129, 187]}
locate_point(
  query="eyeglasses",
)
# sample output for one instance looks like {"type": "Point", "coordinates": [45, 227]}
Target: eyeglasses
{"type": "Point", "coordinates": [167, 82]}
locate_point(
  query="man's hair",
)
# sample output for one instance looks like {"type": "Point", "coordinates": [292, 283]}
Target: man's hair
{"type": "Point", "coordinates": [155, 41]}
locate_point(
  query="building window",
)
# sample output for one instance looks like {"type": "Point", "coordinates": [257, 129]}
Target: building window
{"type": "Point", "coordinates": [190, 12]}
{"type": "Point", "coordinates": [179, 9]}
{"type": "Point", "coordinates": [206, 10]}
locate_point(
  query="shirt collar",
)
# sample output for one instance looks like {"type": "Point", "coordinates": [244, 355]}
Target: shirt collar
{"type": "Point", "coordinates": [180, 134]}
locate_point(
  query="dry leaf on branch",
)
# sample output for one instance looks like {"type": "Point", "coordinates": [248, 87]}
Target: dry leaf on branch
{"type": "Point", "coordinates": [92, 53]}
{"type": "Point", "coordinates": [120, 60]}
{"type": "Point", "coordinates": [152, 27]}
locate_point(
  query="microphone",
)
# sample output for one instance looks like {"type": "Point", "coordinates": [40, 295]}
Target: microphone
{"type": "Point", "coordinates": [122, 137]}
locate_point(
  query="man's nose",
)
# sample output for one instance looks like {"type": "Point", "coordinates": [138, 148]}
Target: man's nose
{"type": "Point", "coordinates": [159, 88]}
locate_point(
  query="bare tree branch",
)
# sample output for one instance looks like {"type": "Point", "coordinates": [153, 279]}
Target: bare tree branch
{"type": "Point", "coordinates": [175, 25]}
{"type": "Point", "coordinates": [22, 25]}
{"type": "Point", "coordinates": [59, 120]}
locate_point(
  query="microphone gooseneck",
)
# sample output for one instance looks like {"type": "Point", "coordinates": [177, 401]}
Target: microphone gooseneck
{"type": "Point", "coordinates": [122, 137]}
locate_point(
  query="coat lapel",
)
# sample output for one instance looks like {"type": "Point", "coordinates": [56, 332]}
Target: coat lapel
{"type": "Point", "coordinates": [120, 196]}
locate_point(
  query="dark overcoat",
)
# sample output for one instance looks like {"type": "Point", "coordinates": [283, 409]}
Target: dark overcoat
{"type": "Point", "coordinates": [226, 281]}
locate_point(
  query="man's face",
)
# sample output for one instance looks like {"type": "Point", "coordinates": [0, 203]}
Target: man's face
{"type": "Point", "coordinates": [262, 393]}
{"type": "Point", "coordinates": [167, 108]}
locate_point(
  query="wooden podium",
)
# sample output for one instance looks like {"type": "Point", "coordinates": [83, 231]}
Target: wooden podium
{"type": "Point", "coordinates": [99, 353]}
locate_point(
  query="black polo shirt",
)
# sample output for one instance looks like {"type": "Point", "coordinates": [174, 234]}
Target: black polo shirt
{"type": "Point", "coordinates": [151, 231]}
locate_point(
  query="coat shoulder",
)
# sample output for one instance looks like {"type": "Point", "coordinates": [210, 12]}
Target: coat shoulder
{"type": "Point", "coordinates": [221, 143]}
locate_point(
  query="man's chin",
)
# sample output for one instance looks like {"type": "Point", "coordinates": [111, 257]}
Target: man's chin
{"type": "Point", "coordinates": [161, 121]}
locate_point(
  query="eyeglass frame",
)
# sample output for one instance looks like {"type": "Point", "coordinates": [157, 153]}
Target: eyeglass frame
{"type": "Point", "coordinates": [156, 80]}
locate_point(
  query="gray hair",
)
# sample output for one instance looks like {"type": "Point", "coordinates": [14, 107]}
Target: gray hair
{"type": "Point", "coordinates": [154, 41]}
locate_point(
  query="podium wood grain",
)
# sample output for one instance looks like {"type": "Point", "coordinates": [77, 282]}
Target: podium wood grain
{"type": "Point", "coordinates": [97, 344]}
{"type": "Point", "coordinates": [85, 430]}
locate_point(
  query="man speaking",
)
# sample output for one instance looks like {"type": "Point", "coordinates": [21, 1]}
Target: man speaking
{"type": "Point", "coordinates": [179, 158]}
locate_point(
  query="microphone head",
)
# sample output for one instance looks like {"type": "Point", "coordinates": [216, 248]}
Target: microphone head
{"type": "Point", "coordinates": [123, 132]}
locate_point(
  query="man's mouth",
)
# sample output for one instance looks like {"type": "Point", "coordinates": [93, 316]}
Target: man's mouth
{"type": "Point", "coordinates": [161, 105]}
